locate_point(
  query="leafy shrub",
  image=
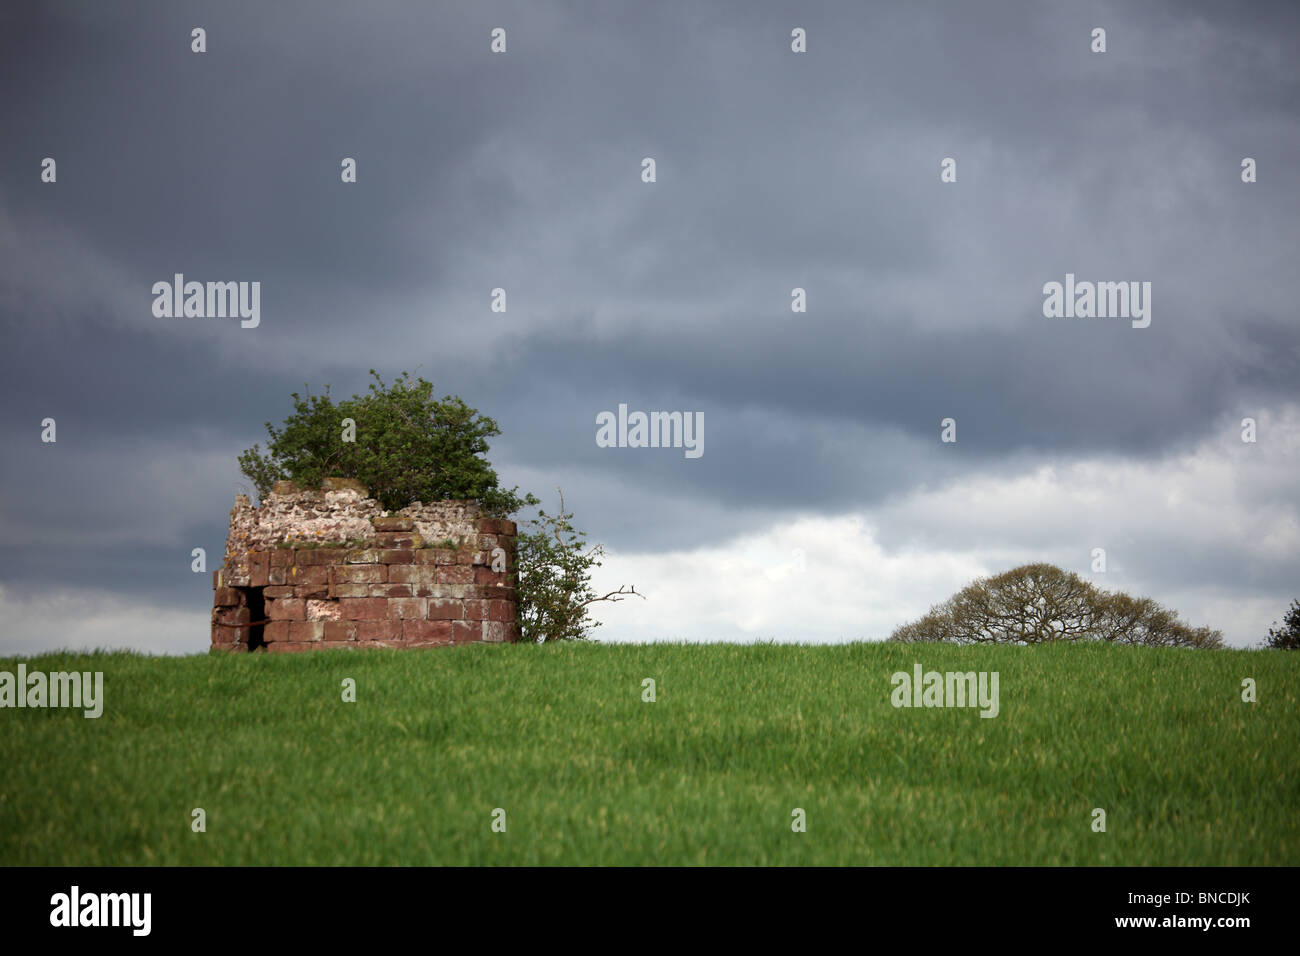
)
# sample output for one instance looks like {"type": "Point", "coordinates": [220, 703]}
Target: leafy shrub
{"type": "Point", "coordinates": [553, 574]}
{"type": "Point", "coordinates": [409, 447]}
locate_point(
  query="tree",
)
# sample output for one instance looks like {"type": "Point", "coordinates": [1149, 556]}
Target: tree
{"type": "Point", "coordinates": [1286, 638]}
{"type": "Point", "coordinates": [408, 446]}
{"type": "Point", "coordinates": [1041, 603]}
{"type": "Point", "coordinates": [553, 574]}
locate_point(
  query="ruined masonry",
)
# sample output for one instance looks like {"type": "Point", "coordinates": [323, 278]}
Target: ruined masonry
{"type": "Point", "coordinates": [312, 569]}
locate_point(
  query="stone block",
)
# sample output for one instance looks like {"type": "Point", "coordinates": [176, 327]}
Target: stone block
{"type": "Point", "coordinates": [363, 574]}
{"type": "Point", "coordinates": [395, 523]}
{"type": "Point", "coordinates": [456, 575]}
{"type": "Point", "coordinates": [439, 556]}
{"type": "Point", "coordinates": [426, 633]}
{"type": "Point", "coordinates": [411, 574]}
{"type": "Point", "coordinates": [363, 609]}
{"type": "Point", "coordinates": [259, 563]}
{"type": "Point", "coordinates": [340, 631]}
{"type": "Point", "coordinates": [352, 590]}
{"type": "Point", "coordinates": [379, 631]}
{"type": "Point", "coordinates": [398, 539]}
{"type": "Point", "coordinates": [344, 484]}
{"type": "Point", "coordinates": [389, 591]}
{"type": "Point", "coordinates": [488, 576]}
{"type": "Point", "coordinates": [229, 635]}
{"type": "Point", "coordinates": [444, 609]}
{"type": "Point", "coordinates": [231, 616]}
{"type": "Point", "coordinates": [318, 610]}
{"type": "Point", "coordinates": [286, 609]}
{"type": "Point", "coordinates": [497, 526]}
{"type": "Point", "coordinates": [314, 557]}
{"type": "Point", "coordinates": [306, 630]}
{"type": "Point", "coordinates": [288, 647]}
{"type": "Point", "coordinates": [407, 609]}
{"type": "Point", "coordinates": [466, 632]}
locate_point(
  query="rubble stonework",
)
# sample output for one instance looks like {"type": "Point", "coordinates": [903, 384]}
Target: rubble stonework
{"type": "Point", "coordinates": [329, 567]}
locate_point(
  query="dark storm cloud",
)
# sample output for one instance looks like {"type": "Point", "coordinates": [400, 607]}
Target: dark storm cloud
{"type": "Point", "coordinates": [522, 171]}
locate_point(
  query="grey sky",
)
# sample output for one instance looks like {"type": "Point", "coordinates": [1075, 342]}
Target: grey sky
{"type": "Point", "coordinates": [775, 170]}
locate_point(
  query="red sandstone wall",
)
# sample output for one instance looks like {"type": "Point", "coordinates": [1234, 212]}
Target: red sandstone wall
{"type": "Point", "coordinates": [396, 589]}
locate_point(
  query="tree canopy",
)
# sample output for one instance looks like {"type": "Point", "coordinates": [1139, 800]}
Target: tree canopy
{"type": "Point", "coordinates": [403, 444]}
{"type": "Point", "coordinates": [1040, 603]}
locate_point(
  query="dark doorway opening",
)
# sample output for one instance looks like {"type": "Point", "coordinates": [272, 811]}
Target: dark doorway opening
{"type": "Point", "coordinates": [256, 602]}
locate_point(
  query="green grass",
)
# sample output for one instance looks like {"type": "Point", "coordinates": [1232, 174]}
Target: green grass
{"type": "Point", "coordinates": [559, 737]}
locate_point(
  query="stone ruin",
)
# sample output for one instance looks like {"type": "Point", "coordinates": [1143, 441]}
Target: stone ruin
{"type": "Point", "coordinates": [311, 569]}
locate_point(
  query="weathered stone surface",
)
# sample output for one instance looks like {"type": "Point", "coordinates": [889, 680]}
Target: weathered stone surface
{"type": "Point", "coordinates": [306, 630]}
{"type": "Point", "coordinates": [466, 632]}
{"type": "Point", "coordinates": [313, 557]}
{"type": "Point", "coordinates": [388, 591]}
{"type": "Point", "coordinates": [363, 609]}
{"type": "Point", "coordinates": [232, 616]}
{"type": "Point", "coordinates": [352, 590]}
{"type": "Point", "coordinates": [285, 647]}
{"type": "Point", "coordinates": [456, 575]}
{"type": "Point", "coordinates": [363, 574]}
{"type": "Point", "coordinates": [412, 574]}
{"type": "Point", "coordinates": [319, 610]}
{"type": "Point", "coordinates": [497, 526]}
{"type": "Point", "coordinates": [229, 635]}
{"type": "Point", "coordinates": [431, 556]}
{"type": "Point", "coordinates": [379, 632]}
{"type": "Point", "coordinates": [332, 570]}
{"type": "Point", "coordinates": [259, 563]}
{"type": "Point", "coordinates": [398, 539]}
{"type": "Point", "coordinates": [394, 523]}
{"type": "Point", "coordinates": [344, 484]}
{"type": "Point", "coordinates": [426, 633]}
{"type": "Point", "coordinates": [446, 609]}
{"type": "Point", "coordinates": [340, 631]}
{"type": "Point", "coordinates": [286, 609]}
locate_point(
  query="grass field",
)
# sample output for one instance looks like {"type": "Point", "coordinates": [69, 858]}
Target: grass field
{"type": "Point", "coordinates": [709, 773]}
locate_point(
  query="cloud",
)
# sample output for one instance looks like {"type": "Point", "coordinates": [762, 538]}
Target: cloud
{"type": "Point", "coordinates": [83, 619]}
{"type": "Point", "coordinates": [776, 170]}
{"type": "Point", "coordinates": [1213, 533]}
